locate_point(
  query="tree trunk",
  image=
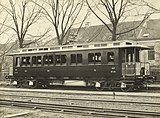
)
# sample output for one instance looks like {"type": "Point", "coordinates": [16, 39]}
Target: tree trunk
{"type": "Point", "coordinates": [1, 71]}
{"type": "Point", "coordinates": [60, 40]}
{"type": "Point", "coordinates": [114, 35]}
{"type": "Point", "coordinates": [20, 43]}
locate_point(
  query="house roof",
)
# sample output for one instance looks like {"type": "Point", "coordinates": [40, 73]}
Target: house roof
{"type": "Point", "coordinates": [99, 33]}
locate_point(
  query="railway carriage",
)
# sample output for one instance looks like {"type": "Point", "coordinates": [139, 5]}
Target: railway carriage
{"type": "Point", "coordinates": [103, 65]}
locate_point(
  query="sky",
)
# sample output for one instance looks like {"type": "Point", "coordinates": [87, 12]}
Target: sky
{"type": "Point", "coordinates": [43, 25]}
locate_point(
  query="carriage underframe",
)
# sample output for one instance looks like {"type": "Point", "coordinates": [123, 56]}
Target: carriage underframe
{"type": "Point", "coordinates": [122, 83]}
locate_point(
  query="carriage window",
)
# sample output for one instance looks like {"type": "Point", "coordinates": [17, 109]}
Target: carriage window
{"type": "Point", "coordinates": [97, 57]}
{"type": "Point", "coordinates": [73, 58]}
{"type": "Point", "coordinates": [34, 60]}
{"type": "Point", "coordinates": [91, 57]}
{"type": "Point", "coordinates": [45, 59]}
{"type": "Point", "coordinates": [28, 62]}
{"type": "Point", "coordinates": [151, 54]}
{"type": "Point", "coordinates": [23, 60]}
{"type": "Point", "coordinates": [110, 57]}
{"type": "Point", "coordinates": [39, 60]}
{"type": "Point", "coordinates": [58, 59]}
{"type": "Point", "coordinates": [79, 58]}
{"type": "Point", "coordinates": [63, 59]}
{"type": "Point", "coordinates": [132, 55]}
{"type": "Point", "coordinates": [94, 57]}
{"type": "Point", "coordinates": [50, 59]}
{"type": "Point", "coordinates": [76, 58]}
{"type": "Point", "coordinates": [17, 61]}
{"type": "Point", "coordinates": [137, 56]}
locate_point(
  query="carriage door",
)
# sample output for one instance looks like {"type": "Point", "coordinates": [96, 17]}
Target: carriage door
{"type": "Point", "coordinates": [128, 61]}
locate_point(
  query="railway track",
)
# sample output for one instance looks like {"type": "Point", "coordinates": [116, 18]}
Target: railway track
{"type": "Point", "coordinates": [152, 104]}
{"type": "Point", "coordinates": [82, 97]}
{"type": "Point", "coordinates": [93, 93]}
{"type": "Point", "coordinates": [55, 101]}
{"type": "Point", "coordinates": [79, 109]}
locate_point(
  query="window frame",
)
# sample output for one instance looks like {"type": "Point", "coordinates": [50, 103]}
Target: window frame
{"type": "Point", "coordinates": [112, 62]}
{"type": "Point", "coordinates": [151, 53]}
{"type": "Point", "coordinates": [95, 58]}
{"type": "Point", "coordinates": [17, 61]}
{"type": "Point", "coordinates": [62, 59]}
{"type": "Point", "coordinates": [34, 60]}
{"type": "Point", "coordinates": [76, 58]}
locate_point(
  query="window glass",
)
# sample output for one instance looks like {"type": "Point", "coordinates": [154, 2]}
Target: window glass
{"type": "Point", "coordinates": [17, 61]}
{"type": "Point", "coordinates": [73, 58]}
{"type": "Point", "coordinates": [76, 58]}
{"type": "Point", "coordinates": [50, 59]}
{"type": "Point", "coordinates": [137, 55]}
{"type": "Point", "coordinates": [91, 57]}
{"type": "Point", "coordinates": [28, 61]}
{"type": "Point", "coordinates": [39, 60]}
{"type": "Point", "coordinates": [79, 58]}
{"type": "Point", "coordinates": [151, 54]}
{"type": "Point", "coordinates": [58, 59]}
{"type": "Point", "coordinates": [63, 59]}
{"type": "Point", "coordinates": [23, 60]}
{"type": "Point", "coordinates": [110, 57]}
{"type": "Point", "coordinates": [94, 57]}
{"type": "Point", "coordinates": [34, 60]}
{"type": "Point", "coordinates": [97, 57]}
{"type": "Point", "coordinates": [130, 55]}
{"type": "Point", "coordinates": [45, 59]}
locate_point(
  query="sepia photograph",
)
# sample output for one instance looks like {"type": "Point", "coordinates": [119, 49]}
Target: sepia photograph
{"type": "Point", "coordinates": [79, 59]}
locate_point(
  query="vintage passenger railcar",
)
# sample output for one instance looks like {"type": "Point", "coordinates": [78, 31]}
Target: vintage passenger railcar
{"type": "Point", "coordinates": [103, 65]}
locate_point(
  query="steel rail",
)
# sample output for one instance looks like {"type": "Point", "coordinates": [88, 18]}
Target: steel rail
{"type": "Point", "coordinates": [79, 109]}
{"type": "Point", "coordinates": [75, 93]}
{"type": "Point", "coordinates": [86, 100]}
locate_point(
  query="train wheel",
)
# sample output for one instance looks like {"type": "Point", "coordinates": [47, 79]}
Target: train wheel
{"type": "Point", "coordinates": [100, 87]}
{"type": "Point", "coordinates": [127, 88]}
{"type": "Point", "coordinates": [19, 84]}
{"type": "Point", "coordinates": [25, 84]}
{"type": "Point", "coordinates": [111, 86]}
{"type": "Point", "coordinates": [44, 84]}
{"type": "Point", "coordinates": [35, 84]}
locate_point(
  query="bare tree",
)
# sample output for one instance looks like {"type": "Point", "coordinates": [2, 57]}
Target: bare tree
{"type": "Point", "coordinates": [114, 11]}
{"type": "Point", "coordinates": [63, 15]}
{"type": "Point", "coordinates": [4, 60]}
{"type": "Point", "coordinates": [153, 8]}
{"type": "Point", "coordinates": [23, 17]}
{"type": "Point", "coordinates": [3, 48]}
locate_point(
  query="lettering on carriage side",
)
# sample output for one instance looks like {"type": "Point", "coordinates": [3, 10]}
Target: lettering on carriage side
{"type": "Point", "coordinates": [48, 71]}
{"type": "Point", "coordinates": [94, 70]}
{"type": "Point", "coordinates": [113, 69]}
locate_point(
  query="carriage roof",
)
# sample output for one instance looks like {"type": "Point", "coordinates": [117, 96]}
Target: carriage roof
{"type": "Point", "coordinates": [77, 47]}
